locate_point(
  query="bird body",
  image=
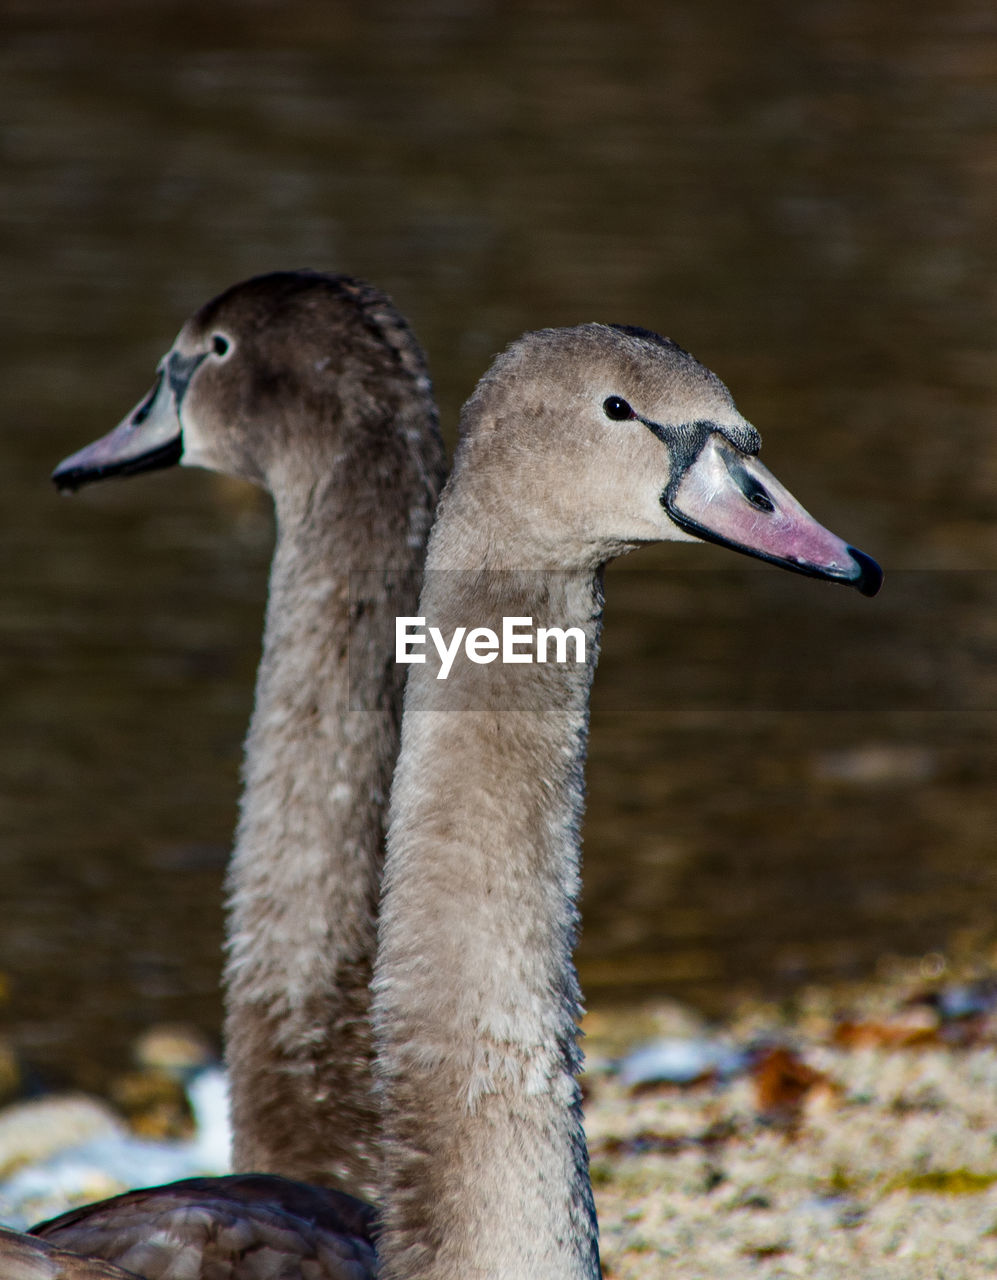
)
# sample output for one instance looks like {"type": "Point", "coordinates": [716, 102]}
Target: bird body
{"type": "Point", "coordinates": [577, 446]}
{"type": "Point", "coordinates": [313, 387]}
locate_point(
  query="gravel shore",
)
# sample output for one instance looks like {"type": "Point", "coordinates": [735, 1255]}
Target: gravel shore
{"type": "Point", "coordinates": [845, 1133]}
{"type": "Point", "coordinates": [860, 1139]}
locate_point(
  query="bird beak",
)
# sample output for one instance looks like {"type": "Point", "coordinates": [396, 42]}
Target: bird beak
{"type": "Point", "coordinates": [150, 437]}
{"type": "Point", "coordinates": [724, 495]}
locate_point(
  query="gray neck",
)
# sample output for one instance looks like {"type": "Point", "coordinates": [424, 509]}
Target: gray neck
{"type": "Point", "coordinates": [476, 997]}
{"type": "Point", "coordinates": [304, 878]}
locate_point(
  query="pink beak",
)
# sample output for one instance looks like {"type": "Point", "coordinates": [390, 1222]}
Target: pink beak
{"type": "Point", "coordinates": [151, 436]}
{"type": "Point", "coordinates": [729, 497]}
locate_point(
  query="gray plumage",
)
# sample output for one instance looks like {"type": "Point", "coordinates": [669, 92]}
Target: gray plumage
{"type": "Point", "coordinates": [242, 1227]}
{"type": "Point", "coordinates": [313, 387]}
{"type": "Point", "coordinates": [577, 446]}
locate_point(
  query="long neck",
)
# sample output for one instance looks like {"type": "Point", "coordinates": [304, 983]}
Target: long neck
{"type": "Point", "coordinates": [305, 873]}
{"type": "Point", "coordinates": [476, 997]}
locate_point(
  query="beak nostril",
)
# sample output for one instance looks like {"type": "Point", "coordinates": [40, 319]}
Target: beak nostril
{"type": "Point", "coordinates": [145, 408]}
{"type": "Point", "coordinates": [752, 488]}
{"type": "Point", "coordinates": [760, 499]}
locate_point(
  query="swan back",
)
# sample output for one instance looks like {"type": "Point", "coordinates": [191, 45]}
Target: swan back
{"type": "Point", "coordinates": [243, 1227]}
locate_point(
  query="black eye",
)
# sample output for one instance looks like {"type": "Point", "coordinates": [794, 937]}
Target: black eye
{"type": "Point", "coordinates": [616, 407]}
{"type": "Point", "coordinates": [220, 344]}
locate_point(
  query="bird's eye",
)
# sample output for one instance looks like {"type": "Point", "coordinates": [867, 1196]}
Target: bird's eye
{"type": "Point", "coordinates": [616, 407]}
{"type": "Point", "coordinates": [220, 344]}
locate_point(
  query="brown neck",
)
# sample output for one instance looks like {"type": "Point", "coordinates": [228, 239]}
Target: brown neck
{"type": "Point", "coordinates": [476, 998]}
{"type": "Point", "coordinates": [305, 873]}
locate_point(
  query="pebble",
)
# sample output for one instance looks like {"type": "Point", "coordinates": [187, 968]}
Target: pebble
{"type": "Point", "coordinates": [63, 1151]}
{"type": "Point", "coordinates": [680, 1062]}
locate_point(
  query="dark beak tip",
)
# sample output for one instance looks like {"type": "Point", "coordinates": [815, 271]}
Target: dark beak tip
{"type": "Point", "coordinates": [870, 575]}
{"type": "Point", "coordinates": [95, 464]}
{"type": "Point", "coordinates": [66, 481]}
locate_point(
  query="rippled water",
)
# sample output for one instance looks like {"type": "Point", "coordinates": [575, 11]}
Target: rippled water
{"type": "Point", "coordinates": [785, 782]}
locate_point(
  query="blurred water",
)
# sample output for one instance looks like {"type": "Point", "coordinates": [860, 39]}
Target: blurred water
{"type": "Point", "coordinates": [785, 782]}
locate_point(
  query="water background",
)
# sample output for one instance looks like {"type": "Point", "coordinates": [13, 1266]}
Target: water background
{"type": "Point", "coordinates": [787, 782]}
